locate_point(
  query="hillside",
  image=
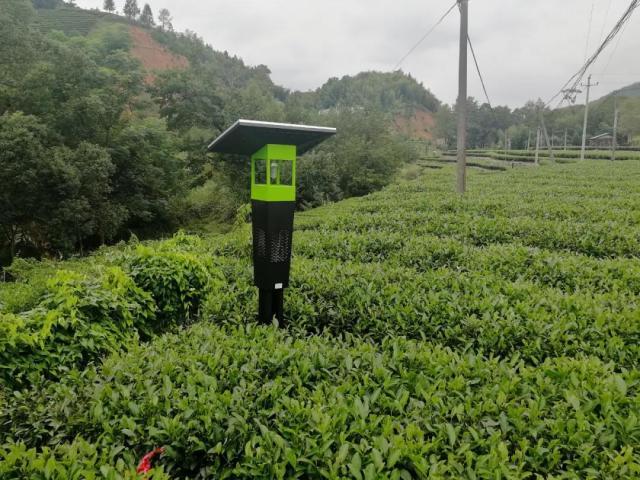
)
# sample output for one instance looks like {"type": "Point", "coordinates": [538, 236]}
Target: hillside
{"type": "Point", "coordinates": [137, 104]}
{"type": "Point", "coordinates": [74, 21]}
{"type": "Point", "coordinates": [632, 90]}
{"type": "Point", "coordinates": [418, 126]}
{"type": "Point", "coordinates": [153, 56]}
{"type": "Point", "coordinates": [410, 105]}
{"type": "Point", "coordinates": [427, 335]}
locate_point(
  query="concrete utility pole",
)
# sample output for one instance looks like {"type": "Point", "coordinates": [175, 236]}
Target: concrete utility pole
{"type": "Point", "coordinates": [462, 97]}
{"type": "Point", "coordinates": [546, 135]}
{"type": "Point", "coordinates": [614, 140]}
{"type": "Point", "coordinates": [586, 117]}
{"type": "Point", "coordinates": [529, 140]}
{"type": "Point", "coordinates": [537, 146]}
{"type": "Point", "coordinates": [565, 138]}
{"type": "Point", "coordinates": [506, 145]}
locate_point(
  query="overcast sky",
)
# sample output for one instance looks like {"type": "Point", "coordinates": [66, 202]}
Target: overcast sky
{"type": "Point", "coordinates": [526, 48]}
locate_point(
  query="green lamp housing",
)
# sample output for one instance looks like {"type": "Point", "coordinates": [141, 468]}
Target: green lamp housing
{"type": "Point", "coordinates": [273, 174]}
{"type": "Point", "coordinates": [273, 148]}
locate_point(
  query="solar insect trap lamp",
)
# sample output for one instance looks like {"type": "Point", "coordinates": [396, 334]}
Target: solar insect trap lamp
{"type": "Point", "coordinates": [273, 148]}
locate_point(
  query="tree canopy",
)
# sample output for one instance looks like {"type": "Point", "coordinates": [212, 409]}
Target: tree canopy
{"type": "Point", "coordinates": [109, 6]}
{"type": "Point", "coordinates": [146, 18]}
{"type": "Point", "coordinates": [131, 9]}
{"type": "Point", "coordinates": [99, 150]}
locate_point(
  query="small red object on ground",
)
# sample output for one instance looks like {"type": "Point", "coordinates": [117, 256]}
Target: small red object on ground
{"type": "Point", "coordinates": [145, 464]}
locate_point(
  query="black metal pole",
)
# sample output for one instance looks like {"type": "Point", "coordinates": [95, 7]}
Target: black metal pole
{"type": "Point", "coordinates": [265, 306]}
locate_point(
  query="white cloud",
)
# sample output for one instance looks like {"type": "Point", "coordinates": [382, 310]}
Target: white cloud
{"type": "Point", "coordinates": [526, 48]}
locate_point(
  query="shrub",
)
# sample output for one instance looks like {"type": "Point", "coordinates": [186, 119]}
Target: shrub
{"type": "Point", "coordinates": [77, 461]}
{"type": "Point", "coordinates": [77, 322]}
{"type": "Point", "coordinates": [177, 281]}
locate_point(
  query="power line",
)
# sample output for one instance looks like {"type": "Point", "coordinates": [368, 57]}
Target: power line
{"type": "Point", "coordinates": [576, 78]}
{"type": "Point", "coordinates": [586, 46]}
{"type": "Point", "coordinates": [615, 49]}
{"type": "Point", "coordinates": [604, 22]}
{"type": "Point", "coordinates": [423, 38]}
{"type": "Point", "coordinates": [475, 60]}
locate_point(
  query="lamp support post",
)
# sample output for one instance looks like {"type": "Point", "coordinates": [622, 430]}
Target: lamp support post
{"type": "Point", "coordinates": [462, 97]}
{"type": "Point", "coordinates": [614, 140]}
{"type": "Point", "coordinates": [586, 117]}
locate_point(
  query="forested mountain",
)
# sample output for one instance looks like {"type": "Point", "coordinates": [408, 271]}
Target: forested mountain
{"type": "Point", "coordinates": [488, 127]}
{"type": "Point", "coordinates": [632, 90]}
{"type": "Point", "coordinates": [104, 121]}
{"type": "Point", "coordinates": [393, 92]}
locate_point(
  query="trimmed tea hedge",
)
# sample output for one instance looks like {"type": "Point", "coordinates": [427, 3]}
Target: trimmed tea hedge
{"type": "Point", "coordinates": [429, 336]}
{"type": "Point", "coordinates": [81, 318]}
{"type": "Point", "coordinates": [251, 402]}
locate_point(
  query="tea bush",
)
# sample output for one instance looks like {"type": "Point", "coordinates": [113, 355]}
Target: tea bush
{"type": "Point", "coordinates": [77, 461]}
{"type": "Point", "coordinates": [463, 310]}
{"type": "Point", "coordinates": [428, 336]}
{"type": "Point", "coordinates": [78, 321]}
{"type": "Point", "coordinates": [177, 281]}
{"type": "Point", "coordinates": [250, 402]}
{"type": "Point", "coordinates": [80, 318]}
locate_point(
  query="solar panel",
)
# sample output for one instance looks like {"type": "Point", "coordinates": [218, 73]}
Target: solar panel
{"type": "Point", "coordinates": [245, 137]}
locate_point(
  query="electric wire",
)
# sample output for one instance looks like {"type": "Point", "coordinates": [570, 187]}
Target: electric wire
{"type": "Point", "coordinates": [604, 22]}
{"type": "Point", "coordinates": [424, 37]}
{"type": "Point", "coordinates": [576, 78]}
{"type": "Point", "coordinates": [615, 48]}
{"type": "Point", "coordinates": [475, 60]}
{"type": "Point", "coordinates": [586, 46]}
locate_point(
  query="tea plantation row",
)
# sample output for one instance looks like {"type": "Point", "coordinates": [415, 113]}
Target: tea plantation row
{"type": "Point", "coordinates": [251, 402]}
{"type": "Point", "coordinates": [560, 155]}
{"type": "Point", "coordinates": [495, 336]}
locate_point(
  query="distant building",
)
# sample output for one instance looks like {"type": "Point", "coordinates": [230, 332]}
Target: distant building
{"type": "Point", "coordinates": [604, 140]}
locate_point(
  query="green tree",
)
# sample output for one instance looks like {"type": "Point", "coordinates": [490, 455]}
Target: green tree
{"type": "Point", "coordinates": [361, 159]}
{"type": "Point", "coordinates": [148, 173]}
{"type": "Point", "coordinates": [89, 211]}
{"type": "Point", "coordinates": [147, 16]}
{"type": "Point", "coordinates": [446, 125]}
{"type": "Point", "coordinates": [80, 93]}
{"type": "Point", "coordinates": [17, 49]}
{"type": "Point", "coordinates": [131, 9]}
{"type": "Point", "coordinates": [188, 100]}
{"type": "Point", "coordinates": [19, 11]}
{"type": "Point", "coordinates": [34, 182]}
{"type": "Point", "coordinates": [391, 92]}
{"type": "Point", "coordinates": [253, 101]}
{"type": "Point", "coordinates": [109, 6]}
{"type": "Point", "coordinates": [165, 19]}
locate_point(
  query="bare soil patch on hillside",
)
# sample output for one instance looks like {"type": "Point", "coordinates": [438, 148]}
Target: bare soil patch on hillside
{"type": "Point", "coordinates": [418, 126]}
{"type": "Point", "coordinates": [154, 56]}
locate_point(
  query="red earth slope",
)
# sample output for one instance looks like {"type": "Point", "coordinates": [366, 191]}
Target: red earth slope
{"type": "Point", "coordinates": [418, 126]}
{"type": "Point", "coordinates": [154, 56]}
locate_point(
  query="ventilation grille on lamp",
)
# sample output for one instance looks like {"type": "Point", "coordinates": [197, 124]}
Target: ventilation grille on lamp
{"type": "Point", "coordinates": [261, 243]}
{"type": "Point", "coordinates": [280, 247]}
